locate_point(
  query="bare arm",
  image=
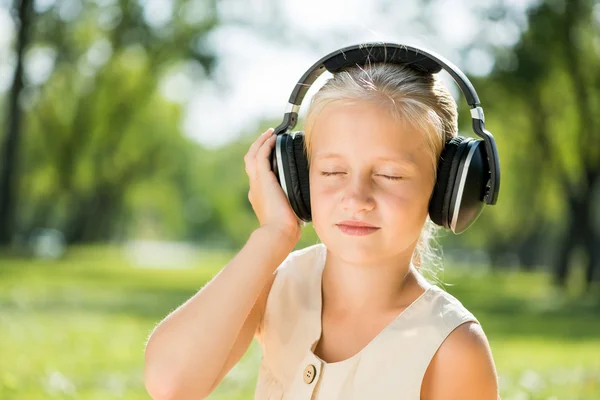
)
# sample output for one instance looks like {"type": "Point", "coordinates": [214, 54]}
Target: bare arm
{"type": "Point", "coordinates": [192, 349]}
{"type": "Point", "coordinates": [462, 368]}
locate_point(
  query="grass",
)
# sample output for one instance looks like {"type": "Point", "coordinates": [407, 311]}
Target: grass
{"type": "Point", "coordinates": [76, 328]}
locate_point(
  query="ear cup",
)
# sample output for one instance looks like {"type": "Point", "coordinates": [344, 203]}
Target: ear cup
{"type": "Point", "coordinates": [281, 167]}
{"type": "Point", "coordinates": [448, 164]}
{"type": "Point", "coordinates": [303, 174]}
{"type": "Point", "coordinates": [294, 190]}
{"type": "Point", "coordinates": [466, 203]}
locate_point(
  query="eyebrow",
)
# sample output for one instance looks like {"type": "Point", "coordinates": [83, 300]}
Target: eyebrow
{"type": "Point", "coordinates": [400, 160]}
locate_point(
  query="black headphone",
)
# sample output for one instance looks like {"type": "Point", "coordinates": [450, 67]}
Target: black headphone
{"type": "Point", "coordinates": [468, 174]}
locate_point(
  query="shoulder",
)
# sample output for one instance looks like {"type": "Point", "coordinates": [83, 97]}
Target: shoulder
{"type": "Point", "coordinates": [300, 263]}
{"type": "Point", "coordinates": [462, 368]}
{"type": "Point", "coordinates": [450, 311]}
{"type": "Point", "coordinates": [294, 281]}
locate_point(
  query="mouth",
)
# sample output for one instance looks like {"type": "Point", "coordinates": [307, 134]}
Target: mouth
{"type": "Point", "coordinates": [357, 229]}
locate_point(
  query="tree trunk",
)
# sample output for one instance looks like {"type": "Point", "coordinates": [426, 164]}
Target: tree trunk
{"type": "Point", "coordinates": [569, 243]}
{"type": "Point", "coordinates": [591, 238]}
{"type": "Point", "coordinates": [592, 245]}
{"type": "Point", "coordinates": [528, 250]}
{"type": "Point", "coordinates": [10, 147]}
{"type": "Point", "coordinates": [582, 232]}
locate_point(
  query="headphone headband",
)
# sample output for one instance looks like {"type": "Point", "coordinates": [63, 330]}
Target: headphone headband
{"type": "Point", "coordinates": [419, 59]}
{"type": "Point", "coordinates": [382, 52]}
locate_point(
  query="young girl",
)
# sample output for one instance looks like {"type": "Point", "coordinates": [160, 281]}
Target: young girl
{"type": "Point", "coordinates": [351, 317]}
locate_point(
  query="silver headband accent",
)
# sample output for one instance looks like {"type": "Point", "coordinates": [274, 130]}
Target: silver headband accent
{"type": "Point", "coordinates": [477, 113]}
{"type": "Point", "coordinates": [292, 108]}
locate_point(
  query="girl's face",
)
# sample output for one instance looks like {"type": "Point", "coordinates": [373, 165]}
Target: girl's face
{"type": "Point", "coordinates": [367, 167]}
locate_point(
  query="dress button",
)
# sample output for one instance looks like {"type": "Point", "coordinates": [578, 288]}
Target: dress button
{"type": "Point", "coordinates": [309, 373]}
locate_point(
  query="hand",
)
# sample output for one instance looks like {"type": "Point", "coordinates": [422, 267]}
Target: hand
{"type": "Point", "coordinates": [268, 200]}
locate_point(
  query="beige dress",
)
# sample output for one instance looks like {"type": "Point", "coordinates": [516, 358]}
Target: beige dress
{"type": "Point", "coordinates": [391, 366]}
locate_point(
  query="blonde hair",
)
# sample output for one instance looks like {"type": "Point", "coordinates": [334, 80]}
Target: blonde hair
{"type": "Point", "coordinates": [411, 97]}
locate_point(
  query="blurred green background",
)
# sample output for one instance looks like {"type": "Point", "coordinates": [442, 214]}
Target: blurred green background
{"type": "Point", "coordinates": [122, 183]}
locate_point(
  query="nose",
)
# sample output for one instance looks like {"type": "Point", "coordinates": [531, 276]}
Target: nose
{"type": "Point", "coordinates": [358, 195]}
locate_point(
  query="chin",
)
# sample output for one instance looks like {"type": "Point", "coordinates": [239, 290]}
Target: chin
{"type": "Point", "coordinates": [354, 248]}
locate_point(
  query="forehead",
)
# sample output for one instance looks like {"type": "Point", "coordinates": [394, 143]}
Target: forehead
{"type": "Point", "coordinates": [364, 130]}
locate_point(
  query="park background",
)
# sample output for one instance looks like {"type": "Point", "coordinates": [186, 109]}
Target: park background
{"type": "Point", "coordinates": [122, 183]}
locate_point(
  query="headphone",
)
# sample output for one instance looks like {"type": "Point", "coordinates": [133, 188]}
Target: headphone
{"type": "Point", "coordinates": [468, 172]}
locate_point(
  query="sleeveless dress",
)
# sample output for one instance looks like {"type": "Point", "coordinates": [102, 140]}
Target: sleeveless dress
{"type": "Point", "coordinates": [391, 366]}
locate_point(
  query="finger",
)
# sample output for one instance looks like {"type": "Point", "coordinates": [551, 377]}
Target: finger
{"type": "Point", "coordinates": [262, 157]}
{"type": "Point", "coordinates": [250, 157]}
{"type": "Point", "coordinates": [258, 143]}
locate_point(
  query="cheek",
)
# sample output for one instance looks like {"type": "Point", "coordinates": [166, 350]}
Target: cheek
{"type": "Point", "coordinates": [413, 198]}
{"type": "Point", "coordinates": [410, 193]}
{"type": "Point", "coordinates": [324, 201]}
{"type": "Point", "coordinates": [322, 208]}
{"type": "Point", "coordinates": [321, 195]}
{"type": "Point", "coordinates": [397, 204]}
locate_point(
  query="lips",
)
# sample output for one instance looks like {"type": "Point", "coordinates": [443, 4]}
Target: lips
{"type": "Point", "coordinates": [356, 228]}
{"type": "Point", "coordinates": [355, 223]}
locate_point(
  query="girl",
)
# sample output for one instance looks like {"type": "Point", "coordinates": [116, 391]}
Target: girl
{"type": "Point", "coordinates": [351, 317]}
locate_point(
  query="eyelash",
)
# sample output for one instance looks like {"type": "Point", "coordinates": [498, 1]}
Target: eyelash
{"type": "Point", "coordinates": [392, 178]}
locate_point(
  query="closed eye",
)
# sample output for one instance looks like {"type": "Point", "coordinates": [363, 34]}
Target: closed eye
{"type": "Point", "coordinates": [390, 177]}
{"type": "Point", "coordinates": [394, 178]}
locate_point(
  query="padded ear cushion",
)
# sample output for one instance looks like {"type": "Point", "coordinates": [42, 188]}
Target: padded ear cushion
{"type": "Point", "coordinates": [284, 168]}
{"type": "Point", "coordinates": [466, 202]}
{"type": "Point", "coordinates": [294, 191]}
{"type": "Point", "coordinates": [453, 182]}
{"type": "Point", "coordinates": [303, 174]}
{"type": "Point", "coordinates": [447, 166]}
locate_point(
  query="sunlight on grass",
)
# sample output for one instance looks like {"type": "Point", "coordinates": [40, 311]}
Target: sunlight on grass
{"type": "Point", "coordinates": [76, 328]}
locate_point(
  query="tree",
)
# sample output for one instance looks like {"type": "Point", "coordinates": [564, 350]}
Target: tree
{"type": "Point", "coordinates": [99, 124]}
{"type": "Point", "coordinates": [9, 149]}
{"type": "Point", "coordinates": [549, 85]}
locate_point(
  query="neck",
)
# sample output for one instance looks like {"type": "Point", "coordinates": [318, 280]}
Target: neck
{"type": "Point", "coordinates": [349, 287]}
